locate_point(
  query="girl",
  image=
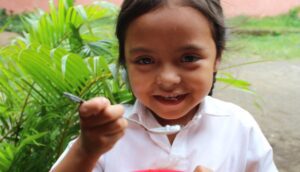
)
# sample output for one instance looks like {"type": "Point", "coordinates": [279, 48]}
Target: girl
{"type": "Point", "coordinates": [171, 50]}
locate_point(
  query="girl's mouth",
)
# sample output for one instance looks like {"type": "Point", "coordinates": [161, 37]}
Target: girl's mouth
{"type": "Point", "coordinates": [170, 100]}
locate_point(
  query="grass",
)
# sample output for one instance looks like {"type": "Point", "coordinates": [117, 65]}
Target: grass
{"type": "Point", "coordinates": [283, 46]}
{"type": "Point", "coordinates": [267, 38]}
{"type": "Point", "coordinates": [289, 21]}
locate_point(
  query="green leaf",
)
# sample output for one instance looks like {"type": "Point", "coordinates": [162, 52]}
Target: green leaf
{"type": "Point", "coordinates": [7, 154]}
{"type": "Point", "coordinates": [68, 49]}
{"type": "Point", "coordinates": [31, 139]}
{"type": "Point", "coordinates": [227, 78]}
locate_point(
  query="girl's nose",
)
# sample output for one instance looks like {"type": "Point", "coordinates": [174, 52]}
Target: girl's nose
{"type": "Point", "coordinates": [168, 78]}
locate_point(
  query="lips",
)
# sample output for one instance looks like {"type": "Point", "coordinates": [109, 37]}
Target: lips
{"type": "Point", "coordinates": [170, 99]}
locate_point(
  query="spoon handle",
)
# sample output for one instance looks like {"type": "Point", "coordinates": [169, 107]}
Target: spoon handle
{"type": "Point", "coordinates": [73, 98]}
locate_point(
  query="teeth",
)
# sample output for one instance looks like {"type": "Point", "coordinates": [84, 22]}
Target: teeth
{"type": "Point", "coordinates": [171, 98]}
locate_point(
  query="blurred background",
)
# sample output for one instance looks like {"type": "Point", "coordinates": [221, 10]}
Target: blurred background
{"type": "Point", "coordinates": [258, 8]}
{"type": "Point", "coordinates": [260, 72]}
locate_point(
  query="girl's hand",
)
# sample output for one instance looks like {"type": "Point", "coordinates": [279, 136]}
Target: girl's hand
{"type": "Point", "coordinates": [101, 125]}
{"type": "Point", "coordinates": [202, 169]}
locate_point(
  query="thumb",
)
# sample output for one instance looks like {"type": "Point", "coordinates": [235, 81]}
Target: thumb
{"type": "Point", "coordinates": [200, 168]}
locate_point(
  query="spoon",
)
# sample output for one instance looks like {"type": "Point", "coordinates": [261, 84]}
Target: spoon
{"type": "Point", "coordinates": [166, 130]}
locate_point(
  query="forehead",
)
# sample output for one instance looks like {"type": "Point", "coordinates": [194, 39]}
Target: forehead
{"type": "Point", "coordinates": [172, 16]}
{"type": "Point", "coordinates": [171, 24]}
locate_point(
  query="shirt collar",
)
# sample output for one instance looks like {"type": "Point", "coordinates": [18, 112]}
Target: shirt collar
{"type": "Point", "coordinates": [209, 106]}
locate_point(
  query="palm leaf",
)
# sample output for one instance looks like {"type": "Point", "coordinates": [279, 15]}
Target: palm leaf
{"type": "Point", "coordinates": [67, 49]}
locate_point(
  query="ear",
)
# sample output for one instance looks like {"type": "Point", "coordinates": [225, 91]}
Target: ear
{"type": "Point", "coordinates": [217, 64]}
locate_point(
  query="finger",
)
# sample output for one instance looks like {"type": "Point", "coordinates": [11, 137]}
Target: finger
{"type": "Point", "coordinates": [108, 115]}
{"type": "Point", "coordinates": [110, 128]}
{"type": "Point", "coordinates": [112, 139]}
{"type": "Point", "coordinates": [93, 106]}
{"type": "Point", "coordinates": [202, 169]}
{"type": "Point", "coordinates": [108, 142]}
{"type": "Point", "coordinates": [115, 127]}
{"type": "Point", "coordinates": [98, 143]}
{"type": "Point", "coordinates": [114, 111]}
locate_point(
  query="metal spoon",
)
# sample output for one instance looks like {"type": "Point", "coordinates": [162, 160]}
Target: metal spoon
{"type": "Point", "coordinates": [166, 130]}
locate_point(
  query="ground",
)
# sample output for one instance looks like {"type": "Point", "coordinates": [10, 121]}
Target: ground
{"type": "Point", "coordinates": [6, 37]}
{"type": "Point", "coordinates": [277, 85]}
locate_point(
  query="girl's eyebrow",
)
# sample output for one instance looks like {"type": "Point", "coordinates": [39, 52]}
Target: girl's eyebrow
{"type": "Point", "coordinates": [188, 47]}
{"type": "Point", "coordinates": [192, 47]}
{"type": "Point", "coordinates": [139, 49]}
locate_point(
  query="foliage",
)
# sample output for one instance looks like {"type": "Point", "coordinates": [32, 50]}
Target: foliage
{"type": "Point", "coordinates": [70, 49]}
{"type": "Point", "coordinates": [10, 22]}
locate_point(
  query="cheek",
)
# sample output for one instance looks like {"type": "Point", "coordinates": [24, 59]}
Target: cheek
{"type": "Point", "coordinates": [137, 81]}
{"type": "Point", "coordinates": [201, 80]}
{"type": "Point", "coordinates": [135, 87]}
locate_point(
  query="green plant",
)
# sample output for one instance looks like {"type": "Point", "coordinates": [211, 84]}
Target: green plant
{"type": "Point", "coordinates": [70, 49]}
{"type": "Point", "coordinates": [11, 22]}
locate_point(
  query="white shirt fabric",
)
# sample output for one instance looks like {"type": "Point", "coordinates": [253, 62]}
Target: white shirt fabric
{"type": "Point", "coordinates": [222, 137]}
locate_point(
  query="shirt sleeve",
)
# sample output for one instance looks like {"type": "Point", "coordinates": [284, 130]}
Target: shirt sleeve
{"type": "Point", "coordinates": [98, 167]}
{"type": "Point", "coordinates": [260, 153]}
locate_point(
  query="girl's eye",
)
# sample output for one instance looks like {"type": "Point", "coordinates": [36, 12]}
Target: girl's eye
{"type": "Point", "coordinates": [144, 61]}
{"type": "Point", "coordinates": [189, 58]}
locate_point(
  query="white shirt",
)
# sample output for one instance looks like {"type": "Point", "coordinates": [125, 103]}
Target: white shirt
{"type": "Point", "coordinates": [222, 137]}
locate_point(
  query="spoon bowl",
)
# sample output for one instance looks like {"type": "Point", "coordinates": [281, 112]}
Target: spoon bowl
{"type": "Point", "coordinates": [166, 130]}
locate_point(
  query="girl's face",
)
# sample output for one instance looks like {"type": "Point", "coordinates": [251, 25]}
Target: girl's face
{"type": "Point", "coordinates": [170, 58]}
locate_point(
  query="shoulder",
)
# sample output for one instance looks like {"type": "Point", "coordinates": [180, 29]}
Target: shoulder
{"type": "Point", "coordinates": [241, 130]}
{"type": "Point", "coordinates": [236, 121]}
{"type": "Point", "coordinates": [219, 108]}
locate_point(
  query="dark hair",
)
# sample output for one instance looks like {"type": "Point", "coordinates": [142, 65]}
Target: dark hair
{"type": "Point", "coordinates": [132, 9]}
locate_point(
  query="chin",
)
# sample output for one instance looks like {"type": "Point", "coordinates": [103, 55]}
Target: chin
{"type": "Point", "coordinates": [170, 115]}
